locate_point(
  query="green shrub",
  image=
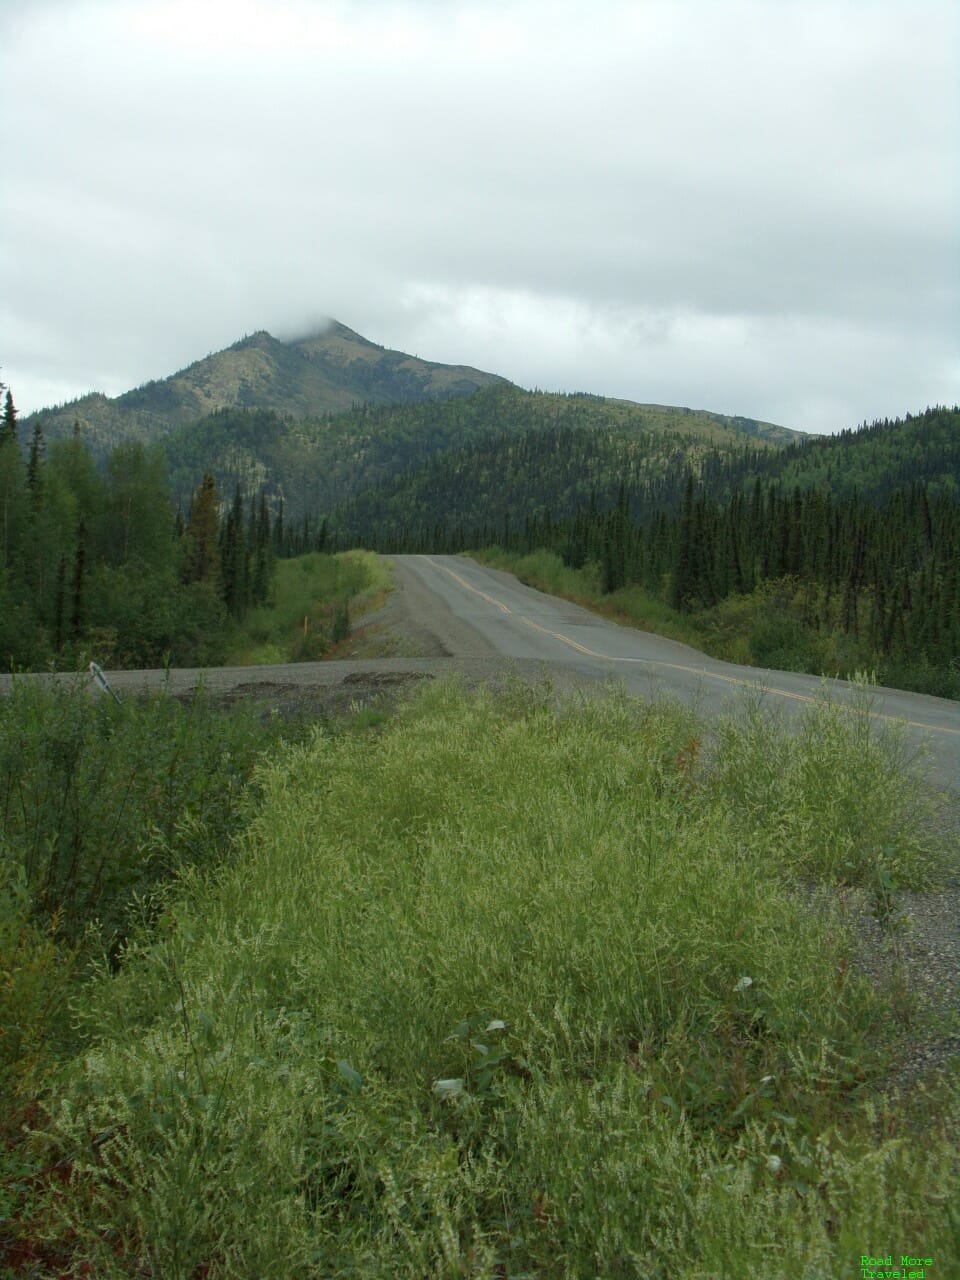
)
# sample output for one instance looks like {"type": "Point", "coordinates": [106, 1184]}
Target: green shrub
{"type": "Point", "coordinates": [312, 599]}
{"type": "Point", "coordinates": [35, 975]}
{"type": "Point", "coordinates": [840, 796]}
{"type": "Point", "coordinates": [99, 801]}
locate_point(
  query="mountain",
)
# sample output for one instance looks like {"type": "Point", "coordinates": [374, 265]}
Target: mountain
{"type": "Point", "coordinates": [323, 419]}
{"type": "Point", "coordinates": [317, 464]}
{"type": "Point", "coordinates": [323, 373]}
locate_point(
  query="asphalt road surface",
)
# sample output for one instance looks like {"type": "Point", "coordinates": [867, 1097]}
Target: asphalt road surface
{"type": "Point", "coordinates": [519, 623]}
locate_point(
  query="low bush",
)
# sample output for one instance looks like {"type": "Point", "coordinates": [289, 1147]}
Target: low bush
{"type": "Point", "coordinates": [840, 796]}
{"type": "Point", "coordinates": [98, 801]}
{"type": "Point", "coordinates": [102, 807]}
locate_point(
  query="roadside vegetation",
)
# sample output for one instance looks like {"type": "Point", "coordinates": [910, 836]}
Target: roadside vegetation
{"type": "Point", "coordinates": [97, 565]}
{"type": "Point", "coordinates": [507, 988]}
{"type": "Point", "coordinates": [778, 625]}
{"type": "Point", "coordinates": [313, 599]}
{"type": "Point", "coordinates": [102, 806]}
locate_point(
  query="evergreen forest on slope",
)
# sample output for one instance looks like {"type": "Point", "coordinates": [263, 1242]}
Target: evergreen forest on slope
{"type": "Point", "coordinates": [844, 551]}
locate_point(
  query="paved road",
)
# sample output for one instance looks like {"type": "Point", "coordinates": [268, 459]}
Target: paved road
{"type": "Point", "coordinates": [519, 623]}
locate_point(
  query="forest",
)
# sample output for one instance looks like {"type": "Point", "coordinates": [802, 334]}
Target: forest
{"type": "Point", "coordinates": [96, 562]}
{"type": "Point", "coordinates": [320, 462]}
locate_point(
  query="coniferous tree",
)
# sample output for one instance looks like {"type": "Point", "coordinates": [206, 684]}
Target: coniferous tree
{"type": "Point", "coordinates": [8, 423]}
{"type": "Point", "coordinates": [36, 461]}
{"type": "Point", "coordinates": [11, 486]}
{"type": "Point", "coordinates": [233, 557]}
{"type": "Point", "coordinates": [59, 605]}
{"type": "Point", "coordinates": [202, 557]}
{"type": "Point", "coordinates": [79, 567]}
{"type": "Point", "coordinates": [263, 558]}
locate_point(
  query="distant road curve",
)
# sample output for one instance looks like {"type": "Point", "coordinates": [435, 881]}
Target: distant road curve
{"type": "Point", "coordinates": [520, 623]}
{"type": "Point", "coordinates": [461, 616]}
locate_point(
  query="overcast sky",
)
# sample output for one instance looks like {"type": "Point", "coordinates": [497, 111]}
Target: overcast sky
{"type": "Point", "coordinates": [751, 206]}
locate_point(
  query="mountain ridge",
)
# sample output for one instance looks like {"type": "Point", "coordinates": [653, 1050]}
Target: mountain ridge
{"type": "Point", "coordinates": [325, 371]}
{"type": "Point", "coordinates": [321, 417]}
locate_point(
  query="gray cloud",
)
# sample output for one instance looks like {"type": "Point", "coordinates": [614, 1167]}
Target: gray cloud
{"type": "Point", "coordinates": [751, 207]}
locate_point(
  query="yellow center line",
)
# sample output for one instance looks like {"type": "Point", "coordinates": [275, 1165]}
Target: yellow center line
{"type": "Point", "coordinates": [581, 648]}
{"type": "Point", "coordinates": [466, 585]}
{"type": "Point", "coordinates": [702, 672]}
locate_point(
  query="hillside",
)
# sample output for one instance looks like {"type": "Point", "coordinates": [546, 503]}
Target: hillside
{"type": "Point", "coordinates": [323, 373]}
{"type": "Point", "coordinates": [588, 453]}
{"type": "Point", "coordinates": [317, 464]}
{"type": "Point", "coordinates": [874, 461]}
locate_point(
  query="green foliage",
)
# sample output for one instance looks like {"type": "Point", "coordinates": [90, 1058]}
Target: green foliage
{"type": "Point", "coordinates": [875, 461]}
{"type": "Point", "coordinates": [201, 557]}
{"type": "Point", "coordinates": [832, 821]}
{"type": "Point", "coordinates": [533, 459]}
{"type": "Point", "coordinates": [102, 807]}
{"type": "Point", "coordinates": [37, 969]}
{"type": "Point", "coordinates": [311, 601]}
{"type": "Point", "coordinates": [547, 571]}
{"type": "Point", "coordinates": [94, 566]}
{"type": "Point", "coordinates": [8, 422]}
{"type": "Point", "coordinates": [499, 991]}
{"type": "Point", "coordinates": [100, 801]}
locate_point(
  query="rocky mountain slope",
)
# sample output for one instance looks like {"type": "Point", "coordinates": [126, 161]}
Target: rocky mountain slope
{"type": "Point", "coordinates": [323, 373]}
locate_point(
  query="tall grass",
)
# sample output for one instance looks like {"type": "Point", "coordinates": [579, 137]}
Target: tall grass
{"type": "Point", "coordinates": [835, 794]}
{"type": "Point", "coordinates": [312, 601]}
{"type": "Point", "coordinates": [507, 990]}
{"type": "Point", "coordinates": [100, 806]}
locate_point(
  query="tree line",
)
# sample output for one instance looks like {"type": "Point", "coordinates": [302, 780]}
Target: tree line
{"type": "Point", "coordinates": [97, 563]}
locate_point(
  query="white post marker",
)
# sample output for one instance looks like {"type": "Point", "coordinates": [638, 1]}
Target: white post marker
{"type": "Point", "coordinates": [102, 681]}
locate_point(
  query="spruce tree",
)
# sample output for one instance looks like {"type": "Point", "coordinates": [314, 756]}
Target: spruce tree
{"type": "Point", "coordinates": [8, 423]}
{"type": "Point", "coordinates": [36, 461]}
{"type": "Point", "coordinates": [11, 483]}
{"type": "Point", "coordinates": [79, 569]}
{"type": "Point", "coordinates": [202, 556]}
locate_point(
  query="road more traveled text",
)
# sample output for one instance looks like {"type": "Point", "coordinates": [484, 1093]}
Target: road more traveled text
{"type": "Point", "coordinates": [909, 1268]}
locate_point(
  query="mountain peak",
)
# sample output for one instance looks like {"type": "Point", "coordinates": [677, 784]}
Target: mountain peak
{"type": "Point", "coordinates": [259, 340]}
{"type": "Point", "coordinates": [333, 336]}
{"type": "Point", "coordinates": [326, 371]}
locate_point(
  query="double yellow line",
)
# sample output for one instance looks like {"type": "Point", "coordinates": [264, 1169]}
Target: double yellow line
{"type": "Point", "coordinates": [702, 672]}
